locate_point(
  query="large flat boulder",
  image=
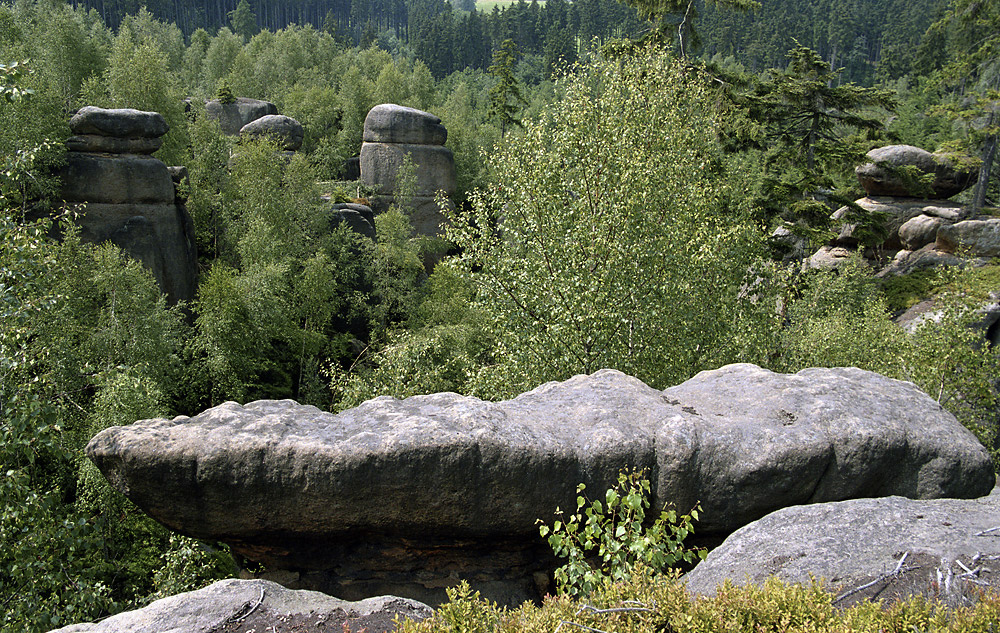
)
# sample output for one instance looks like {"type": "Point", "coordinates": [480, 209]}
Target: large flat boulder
{"type": "Point", "coordinates": [850, 544]}
{"type": "Point", "coordinates": [881, 178]}
{"type": "Point", "coordinates": [257, 605]}
{"type": "Point", "coordinates": [440, 483]}
{"type": "Point", "coordinates": [118, 123]}
{"type": "Point", "coordinates": [391, 123]}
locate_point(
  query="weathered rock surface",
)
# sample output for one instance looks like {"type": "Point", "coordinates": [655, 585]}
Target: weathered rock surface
{"type": "Point", "coordinates": [161, 236]}
{"type": "Point", "coordinates": [978, 238]}
{"type": "Point", "coordinates": [851, 543]}
{"type": "Point", "coordinates": [391, 123]}
{"type": "Point", "coordinates": [118, 123]}
{"type": "Point", "coordinates": [209, 610]}
{"type": "Point", "coordinates": [131, 199]}
{"type": "Point", "coordinates": [284, 129]}
{"type": "Point", "coordinates": [906, 262]}
{"type": "Point", "coordinates": [112, 145]}
{"type": "Point", "coordinates": [453, 480]}
{"type": "Point", "coordinates": [434, 167]}
{"type": "Point", "coordinates": [393, 133]}
{"type": "Point", "coordinates": [233, 116]}
{"type": "Point", "coordinates": [121, 179]}
{"type": "Point", "coordinates": [949, 179]}
{"type": "Point", "coordinates": [897, 212]}
{"type": "Point", "coordinates": [920, 231]}
{"type": "Point", "coordinates": [360, 218]}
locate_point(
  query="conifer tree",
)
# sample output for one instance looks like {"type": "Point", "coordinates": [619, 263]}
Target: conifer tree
{"type": "Point", "coordinates": [506, 98]}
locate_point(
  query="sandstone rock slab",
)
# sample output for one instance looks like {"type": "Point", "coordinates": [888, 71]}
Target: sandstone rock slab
{"type": "Point", "coordinates": [391, 123]}
{"type": "Point", "coordinates": [434, 167]}
{"type": "Point", "coordinates": [978, 238]}
{"type": "Point", "coordinates": [207, 610]}
{"type": "Point", "coordinates": [118, 123]}
{"type": "Point", "coordinates": [454, 479]}
{"type": "Point", "coordinates": [117, 179]}
{"type": "Point", "coordinates": [877, 180]}
{"type": "Point", "coordinates": [112, 145]}
{"type": "Point", "coordinates": [851, 543]}
{"type": "Point", "coordinates": [233, 116]}
{"type": "Point", "coordinates": [284, 129]}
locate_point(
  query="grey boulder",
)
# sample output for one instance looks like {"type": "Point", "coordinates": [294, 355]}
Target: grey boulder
{"type": "Point", "coordinates": [951, 549]}
{"type": "Point", "coordinates": [427, 480]}
{"type": "Point", "coordinates": [112, 145]}
{"type": "Point", "coordinates": [119, 179]}
{"type": "Point", "coordinates": [118, 123]}
{"type": "Point", "coordinates": [391, 123]}
{"type": "Point", "coordinates": [226, 602]}
{"type": "Point", "coordinates": [285, 130]}
{"type": "Point", "coordinates": [233, 116]}
{"type": "Point", "coordinates": [977, 238]}
{"type": "Point", "coordinates": [878, 179]}
{"type": "Point", "coordinates": [434, 168]}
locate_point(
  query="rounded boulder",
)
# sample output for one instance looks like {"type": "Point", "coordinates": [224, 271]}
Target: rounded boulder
{"type": "Point", "coordinates": [391, 123]}
{"type": "Point", "coordinates": [284, 129]}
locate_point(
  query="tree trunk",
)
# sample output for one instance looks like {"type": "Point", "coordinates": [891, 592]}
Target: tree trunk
{"type": "Point", "coordinates": [983, 182]}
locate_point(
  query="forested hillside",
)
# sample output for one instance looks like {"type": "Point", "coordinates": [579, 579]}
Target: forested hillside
{"type": "Point", "coordinates": [868, 38]}
{"type": "Point", "coordinates": [616, 212]}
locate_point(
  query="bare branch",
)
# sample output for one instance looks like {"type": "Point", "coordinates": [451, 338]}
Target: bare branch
{"type": "Point", "coordinates": [899, 571]}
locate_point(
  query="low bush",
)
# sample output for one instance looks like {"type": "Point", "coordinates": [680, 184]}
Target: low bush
{"type": "Point", "coordinates": [657, 604]}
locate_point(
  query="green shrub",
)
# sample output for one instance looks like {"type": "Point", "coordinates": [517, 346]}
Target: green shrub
{"type": "Point", "coordinates": [614, 532]}
{"type": "Point", "coordinates": [658, 604]}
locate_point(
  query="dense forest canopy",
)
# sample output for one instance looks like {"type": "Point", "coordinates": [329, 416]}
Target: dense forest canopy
{"type": "Point", "coordinates": [868, 38]}
{"type": "Point", "coordinates": [575, 244]}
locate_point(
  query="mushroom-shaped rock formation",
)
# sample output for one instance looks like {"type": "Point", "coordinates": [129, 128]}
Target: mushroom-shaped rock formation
{"type": "Point", "coordinates": [408, 496]}
{"type": "Point", "coordinates": [130, 197]}
{"type": "Point", "coordinates": [391, 134]}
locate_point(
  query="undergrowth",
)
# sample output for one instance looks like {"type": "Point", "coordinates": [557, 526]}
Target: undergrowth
{"type": "Point", "coordinates": [658, 604]}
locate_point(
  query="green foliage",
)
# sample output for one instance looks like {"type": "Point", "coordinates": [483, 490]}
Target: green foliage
{"type": "Point", "coordinates": [613, 237]}
{"type": "Point", "coordinates": [807, 118]}
{"type": "Point", "coordinates": [647, 604]}
{"type": "Point", "coordinates": [615, 533]}
{"type": "Point", "coordinates": [189, 565]}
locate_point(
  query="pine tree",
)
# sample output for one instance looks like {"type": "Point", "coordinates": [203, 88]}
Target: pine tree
{"type": "Point", "coordinates": [659, 11]}
{"type": "Point", "coordinates": [505, 95]}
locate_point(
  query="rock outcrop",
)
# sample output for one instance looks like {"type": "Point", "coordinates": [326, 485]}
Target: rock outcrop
{"type": "Point", "coordinates": [233, 116]}
{"type": "Point", "coordinates": [392, 133]}
{"type": "Point", "coordinates": [950, 551]}
{"type": "Point", "coordinates": [913, 224]}
{"type": "Point", "coordinates": [879, 178]}
{"type": "Point", "coordinates": [408, 496]}
{"type": "Point", "coordinates": [255, 604]}
{"type": "Point", "coordinates": [285, 130]}
{"type": "Point", "coordinates": [130, 197]}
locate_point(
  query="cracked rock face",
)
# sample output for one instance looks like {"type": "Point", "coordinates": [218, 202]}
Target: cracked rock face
{"type": "Point", "coordinates": [454, 478]}
{"type": "Point", "coordinates": [852, 543]}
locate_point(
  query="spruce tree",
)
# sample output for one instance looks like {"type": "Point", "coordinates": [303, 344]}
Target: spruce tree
{"type": "Point", "coordinates": [506, 98]}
